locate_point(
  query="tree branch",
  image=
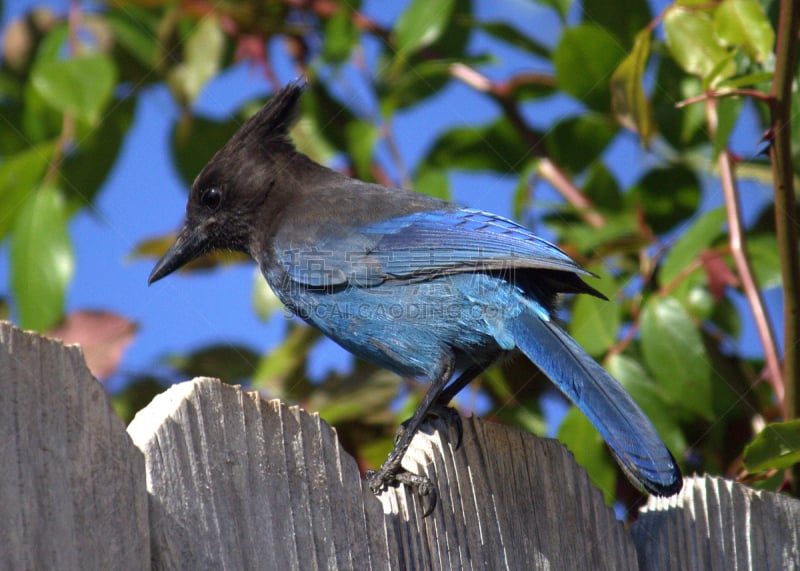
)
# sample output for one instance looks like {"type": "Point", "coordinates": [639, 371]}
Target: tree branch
{"type": "Point", "coordinates": [738, 247]}
{"type": "Point", "coordinates": [754, 93]}
{"type": "Point", "coordinates": [785, 204]}
{"type": "Point", "coordinates": [551, 172]}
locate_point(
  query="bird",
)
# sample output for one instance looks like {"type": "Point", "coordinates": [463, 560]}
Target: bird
{"type": "Point", "coordinates": [420, 286]}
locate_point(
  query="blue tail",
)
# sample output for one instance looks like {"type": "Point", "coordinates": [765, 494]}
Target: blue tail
{"type": "Point", "coordinates": [639, 450]}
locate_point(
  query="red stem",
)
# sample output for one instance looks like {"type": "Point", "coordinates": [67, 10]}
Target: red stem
{"type": "Point", "coordinates": [738, 247]}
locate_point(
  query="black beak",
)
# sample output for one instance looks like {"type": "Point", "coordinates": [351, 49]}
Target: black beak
{"type": "Point", "coordinates": [190, 244]}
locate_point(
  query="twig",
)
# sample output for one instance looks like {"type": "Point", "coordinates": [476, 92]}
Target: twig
{"type": "Point", "coordinates": [754, 93]}
{"type": "Point", "coordinates": [68, 120]}
{"type": "Point", "coordinates": [471, 77]}
{"type": "Point", "coordinates": [785, 205]}
{"type": "Point", "coordinates": [397, 156]}
{"type": "Point", "coordinates": [696, 264]}
{"type": "Point", "coordinates": [548, 169]}
{"type": "Point", "coordinates": [564, 185]}
{"type": "Point", "coordinates": [737, 242]}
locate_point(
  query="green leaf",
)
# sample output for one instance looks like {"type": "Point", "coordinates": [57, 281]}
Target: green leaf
{"type": "Point", "coordinates": [726, 316]}
{"type": "Point", "coordinates": [53, 43]}
{"type": "Point", "coordinates": [512, 36]}
{"type": "Point", "coordinates": [494, 147]}
{"type": "Point", "coordinates": [648, 395]}
{"type": "Point", "coordinates": [134, 31]}
{"type": "Point", "coordinates": [776, 447]}
{"type": "Point", "coordinates": [453, 41]}
{"type": "Point", "coordinates": [194, 142]}
{"type": "Point", "coordinates": [20, 174]}
{"type": "Point", "coordinates": [361, 396]}
{"type": "Point", "coordinates": [202, 58]}
{"type": "Point", "coordinates": [682, 128]}
{"type": "Point", "coordinates": [524, 414]}
{"type": "Point", "coordinates": [751, 79]}
{"type": "Point", "coordinates": [522, 192]}
{"type": "Point", "coordinates": [595, 322]}
{"type": "Point", "coordinates": [628, 99]}
{"type": "Point", "coordinates": [89, 163]}
{"type": "Point", "coordinates": [282, 372]}
{"type": "Point", "coordinates": [618, 227]}
{"type": "Point", "coordinates": [623, 18]}
{"type": "Point", "coordinates": [763, 252]}
{"type": "Point", "coordinates": [674, 352]}
{"type": "Point", "coordinates": [744, 23]}
{"type": "Point", "coordinates": [230, 363]}
{"type": "Point", "coordinates": [667, 195]}
{"type": "Point", "coordinates": [401, 87]}
{"type": "Point", "coordinates": [692, 241]}
{"type": "Point", "coordinates": [433, 182]}
{"type": "Point", "coordinates": [361, 139]}
{"type": "Point", "coordinates": [40, 121]}
{"type": "Point", "coordinates": [589, 450]}
{"type": "Point", "coordinates": [422, 23]}
{"type": "Point", "coordinates": [309, 141]}
{"type": "Point", "coordinates": [340, 36]}
{"type": "Point", "coordinates": [575, 142]}
{"type": "Point", "coordinates": [719, 72]}
{"type": "Point", "coordinates": [82, 85]}
{"type": "Point", "coordinates": [602, 189]}
{"type": "Point", "coordinates": [13, 139]}
{"type": "Point", "coordinates": [136, 395]}
{"type": "Point", "coordinates": [329, 118]}
{"type": "Point", "coordinates": [585, 59]}
{"type": "Point", "coordinates": [698, 300]}
{"type": "Point", "coordinates": [560, 6]}
{"type": "Point", "coordinates": [42, 261]}
{"type": "Point", "coordinates": [693, 44]}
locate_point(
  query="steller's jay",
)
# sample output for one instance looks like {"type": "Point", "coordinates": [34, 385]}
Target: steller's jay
{"type": "Point", "coordinates": [417, 285]}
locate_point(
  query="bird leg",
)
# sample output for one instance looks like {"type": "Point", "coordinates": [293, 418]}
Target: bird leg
{"type": "Point", "coordinates": [391, 472]}
{"type": "Point", "coordinates": [434, 403]}
{"type": "Point", "coordinates": [462, 381]}
{"type": "Point", "coordinates": [441, 409]}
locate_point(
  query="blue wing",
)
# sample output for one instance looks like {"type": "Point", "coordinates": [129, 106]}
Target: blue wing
{"type": "Point", "coordinates": [420, 245]}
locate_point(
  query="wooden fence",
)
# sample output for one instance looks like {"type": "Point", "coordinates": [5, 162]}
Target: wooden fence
{"type": "Point", "coordinates": [211, 477]}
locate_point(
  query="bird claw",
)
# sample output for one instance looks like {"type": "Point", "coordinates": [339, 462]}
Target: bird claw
{"type": "Point", "coordinates": [447, 414]}
{"type": "Point", "coordinates": [381, 480]}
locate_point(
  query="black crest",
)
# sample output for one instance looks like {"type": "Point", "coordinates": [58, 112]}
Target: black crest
{"type": "Point", "coordinates": [272, 122]}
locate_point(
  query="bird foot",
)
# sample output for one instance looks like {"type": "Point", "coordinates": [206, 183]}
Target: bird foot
{"type": "Point", "coordinates": [392, 476]}
{"type": "Point", "coordinates": [447, 414]}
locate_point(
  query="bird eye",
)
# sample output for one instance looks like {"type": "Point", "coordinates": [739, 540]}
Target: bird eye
{"type": "Point", "coordinates": [211, 198]}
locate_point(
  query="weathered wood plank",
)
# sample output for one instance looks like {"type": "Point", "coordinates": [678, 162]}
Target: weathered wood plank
{"type": "Point", "coordinates": [719, 524]}
{"type": "Point", "coordinates": [510, 500]}
{"type": "Point", "coordinates": [237, 482]}
{"type": "Point", "coordinates": [72, 489]}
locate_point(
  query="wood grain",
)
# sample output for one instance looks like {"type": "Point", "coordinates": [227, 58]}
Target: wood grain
{"type": "Point", "coordinates": [72, 490]}
{"type": "Point", "coordinates": [237, 483]}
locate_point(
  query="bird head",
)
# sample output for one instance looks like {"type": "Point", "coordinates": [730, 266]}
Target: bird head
{"type": "Point", "coordinates": [226, 207]}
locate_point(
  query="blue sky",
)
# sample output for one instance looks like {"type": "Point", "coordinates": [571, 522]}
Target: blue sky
{"type": "Point", "coordinates": [144, 197]}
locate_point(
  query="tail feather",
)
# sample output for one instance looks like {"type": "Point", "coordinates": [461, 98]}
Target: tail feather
{"type": "Point", "coordinates": [640, 451]}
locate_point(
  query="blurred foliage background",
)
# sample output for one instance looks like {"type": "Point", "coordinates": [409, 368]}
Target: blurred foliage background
{"type": "Point", "coordinates": [682, 271]}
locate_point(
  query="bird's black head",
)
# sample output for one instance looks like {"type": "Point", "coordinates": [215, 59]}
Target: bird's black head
{"type": "Point", "coordinates": [228, 196]}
